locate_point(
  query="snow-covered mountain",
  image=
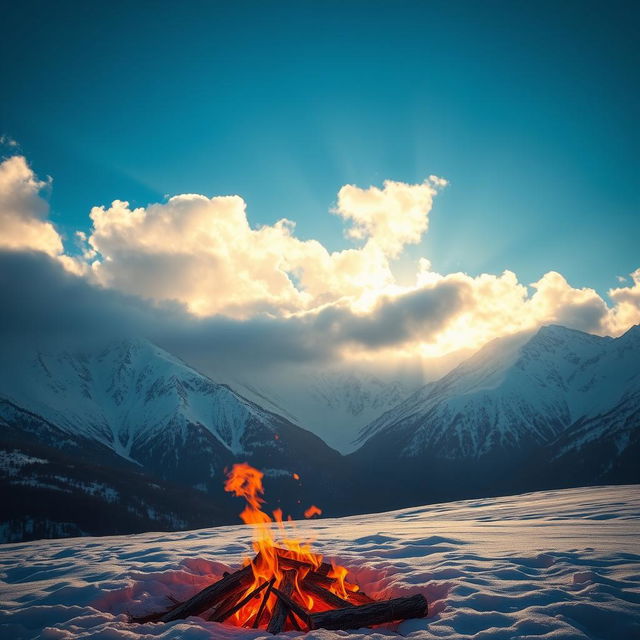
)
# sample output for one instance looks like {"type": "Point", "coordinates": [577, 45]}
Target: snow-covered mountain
{"type": "Point", "coordinates": [130, 393]}
{"type": "Point", "coordinates": [332, 403]}
{"type": "Point", "coordinates": [532, 397]}
{"type": "Point", "coordinates": [129, 438]}
{"type": "Point", "coordinates": [133, 405]}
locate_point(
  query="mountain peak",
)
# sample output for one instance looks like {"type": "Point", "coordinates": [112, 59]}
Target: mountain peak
{"type": "Point", "coordinates": [559, 331]}
{"type": "Point", "coordinates": [632, 333]}
{"type": "Point", "coordinates": [553, 336]}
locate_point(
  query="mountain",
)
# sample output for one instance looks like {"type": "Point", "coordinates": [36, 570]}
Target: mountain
{"type": "Point", "coordinates": [526, 411]}
{"type": "Point", "coordinates": [332, 403]}
{"type": "Point", "coordinates": [127, 437]}
{"type": "Point", "coordinates": [135, 409]}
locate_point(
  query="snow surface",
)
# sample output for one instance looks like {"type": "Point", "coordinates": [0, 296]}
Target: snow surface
{"type": "Point", "coordinates": [555, 565]}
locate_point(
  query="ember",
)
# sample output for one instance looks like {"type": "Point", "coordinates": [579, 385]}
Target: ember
{"type": "Point", "coordinates": [285, 586]}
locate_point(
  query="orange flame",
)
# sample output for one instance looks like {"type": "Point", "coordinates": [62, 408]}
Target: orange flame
{"type": "Point", "coordinates": [246, 482]}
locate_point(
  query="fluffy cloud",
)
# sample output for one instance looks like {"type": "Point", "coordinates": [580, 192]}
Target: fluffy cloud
{"type": "Point", "coordinates": [23, 212]}
{"type": "Point", "coordinates": [391, 217]}
{"type": "Point", "coordinates": [53, 306]}
{"type": "Point", "coordinates": [627, 306]}
{"type": "Point", "coordinates": [203, 252]}
{"type": "Point", "coordinates": [192, 273]}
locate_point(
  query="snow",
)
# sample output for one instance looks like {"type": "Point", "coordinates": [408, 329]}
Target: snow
{"type": "Point", "coordinates": [12, 462]}
{"type": "Point", "coordinates": [125, 394]}
{"type": "Point", "coordinates": [522, 388]}
{"type": "Point", "coordinates": [332, 403]}
{"type": "Point", "coordinates": [553, 565]}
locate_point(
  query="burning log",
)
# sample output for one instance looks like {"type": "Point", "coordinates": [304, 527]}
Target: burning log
{"type": "Point", "coordinates": [212, 595]}
{"type": "Point", "coordinates": [367, 615]}
{"type": "Point", "coordinates": [325, 595]}
{"type": "Point", "coordinates": [281, 612]}
{"type": "Point", "coordinates": [295, 608]}
{"type": "Point", "coordinates": [294, 621]}
{"type": "Point", "coordinates": [275, 589]}
{"type": "Point", "coordinates": [229, 611]}
{"type": "Point", "coordinates": [323, 570]}
{"type": "Point", "coordinates": [263, 604]}
{"type": "Point", "coordinates": [150, 617]}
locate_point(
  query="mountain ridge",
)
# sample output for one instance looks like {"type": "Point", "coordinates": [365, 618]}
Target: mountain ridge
{"type": "Point", "coordinates": [545, 409]}
{"type": "Point", "coordinates": [550, 409]}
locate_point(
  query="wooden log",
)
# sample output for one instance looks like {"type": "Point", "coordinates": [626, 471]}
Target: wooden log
{"type": "Point", "coordinates": [327, 582]}
{"type": "Point", "coordinates": [281, 611]}
{"type": "Point", "coordinates": [263, 604]}
{"type": "Point", "coordinates": [325, 595]}
{"type": "Point", "coordinates": [318, 578]}
{"type": "Point", "coordinates": [150, 617]}
{"type": "Point", "coordinates": [367, 615]}
{"type": "Point", "coordinates": [296, 608]}
{"type": "Point", "coordinates": [207, 598]}
{"type": "Point", "coordinates": [294, 621]}
{"type": "Point", "coordinates": [324, 568]}
{"type": "Point", "coordinates": [221, 605]}
{"type": "Point", "coordinates": [229, 611]}
{"type": "Point", "coordinates": [360, 597]}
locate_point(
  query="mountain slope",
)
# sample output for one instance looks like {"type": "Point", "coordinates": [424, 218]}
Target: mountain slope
{"type": "Point", "coordinates": [513, 417]}
{"type": "Point", "coordinates": [133, 405]}
{"type": "Point", "coordinates": [334, 403]}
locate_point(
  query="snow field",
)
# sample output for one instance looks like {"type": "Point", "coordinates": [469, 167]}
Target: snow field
{"type": "Point", "coordinates": [556, 565]}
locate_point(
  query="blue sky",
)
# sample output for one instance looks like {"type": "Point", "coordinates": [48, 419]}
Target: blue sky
{"type": "Point", "coordinates": [529, 109]}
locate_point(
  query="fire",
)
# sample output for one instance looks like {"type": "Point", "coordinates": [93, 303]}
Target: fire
{"type": "Point", "coordinates": [312, 511]}
{"type": "Point", "coordinates": [273, 559]}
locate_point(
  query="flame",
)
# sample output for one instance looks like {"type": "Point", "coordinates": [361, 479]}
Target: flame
{"type": "Point", "coordinates": [342, 587]}
{"type": "Point", "coordinates": [312, 511]}
{"type": "Point", "coordinates": [246, 482]}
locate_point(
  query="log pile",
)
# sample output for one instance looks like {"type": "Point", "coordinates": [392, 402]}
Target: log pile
{"type": "Point", "coordinates": [299, 597]}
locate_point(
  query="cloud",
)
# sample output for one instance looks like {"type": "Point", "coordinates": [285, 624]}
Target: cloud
{"type": "Point", "coordinates": [391, 217]}
{"type": "Point", "coordinates": [8, 141]}
{"type": "Point", "coordinates": [627, 306]}
{"type": "Point", "coordinates": [557, 302]}
{"type": "Point", "coordinates": [23, 211]}
{"type": "Point", "coordinates": [54, 307]}
{"type": "Point", "coordinates": [192, 274]}
{"type": "Point", "coordinates": [414, 316]}
{"type": "Point", "coordinates": [203, 253]}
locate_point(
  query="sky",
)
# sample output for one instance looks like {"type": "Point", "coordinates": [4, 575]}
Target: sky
{"type": "Point", "coordinates": [416, 150]}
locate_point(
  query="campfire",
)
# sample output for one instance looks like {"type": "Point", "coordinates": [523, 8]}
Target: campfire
{"type": "Point", "coordinates": [285, 586]}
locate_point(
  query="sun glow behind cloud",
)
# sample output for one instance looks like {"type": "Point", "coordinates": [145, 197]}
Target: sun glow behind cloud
{"type": "Point", "coordinates": [203, 253]}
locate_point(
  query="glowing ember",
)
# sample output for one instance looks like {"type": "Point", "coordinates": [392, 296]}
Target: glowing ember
{"type": "Point", "coordinates": [272, 560]}
{"type": "Point", "coordinates": [312, 511]}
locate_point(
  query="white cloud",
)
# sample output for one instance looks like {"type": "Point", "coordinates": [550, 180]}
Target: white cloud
{"type": "Point", "coordinates": [23, 211]}
{"type": "Point", "coordinates": [626, 311]}
{"type": "Point", "coordinates": [203, 253]}
{"type": "Point", "coordinates": [391, 217]}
